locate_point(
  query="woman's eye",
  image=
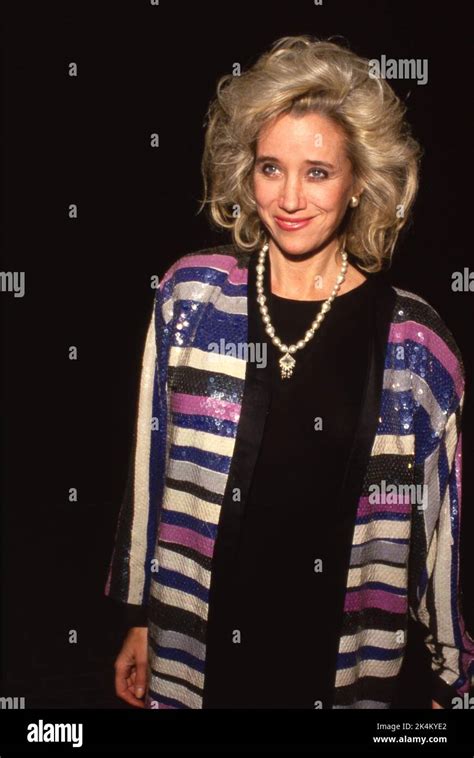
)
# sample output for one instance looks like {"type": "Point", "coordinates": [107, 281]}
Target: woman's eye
{"type": "Point", "coordinates": [267, 165]}
{"type": "Point", "coordinates": [320, 171]}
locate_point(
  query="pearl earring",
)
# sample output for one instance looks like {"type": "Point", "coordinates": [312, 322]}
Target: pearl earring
{"type": "Point", "coordinates": [354, 201]}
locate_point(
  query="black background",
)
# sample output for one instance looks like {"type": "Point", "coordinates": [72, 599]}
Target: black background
{"type": "Point", "coordinates": [86, 140]}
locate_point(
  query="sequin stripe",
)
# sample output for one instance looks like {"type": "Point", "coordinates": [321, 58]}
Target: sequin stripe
{"type": "Point", "coordinates": [215, 425]}
{"type": "Point", "coordinates": [437, 604]}
{"type": "Point", "coordinates": [177, 641]}
{"type": "Point", "coordinates": [375, 586]}
{"type": "Point", "coordinates": [202, 448]}
{"type": "Point", "coordinates": [369, 660]}
{"type": "Point", "coordinates": [358, 678]}
{"type": "Point", "coordinates": [390, 552]}
{"type": "Point", "coordinates": [453, 656]}
{"type": "Point", "coordinates": [198, 405]}
{"type": "Point", "coordinates": [191, 443]}
{"type": "Point", "coordinates": [386, 597]}
{"type": "Point", "coordinates": [432, 351]}
{"type": "Point", "coordinates": [200, 473]}
{"type": "Point", "coordinates": [378, 575]}
{"type": "Point", "coordinates": [385, 625]}
{"type": "Point", "coordinates": [210, 263]}
{"type": "Point", "coordinates": [379, 527]}
{"type": "Point", "coordinates": [203, 279]}
{"type": "Point", "coordinates": [200, 358]}
{"type": "Point", "coordinates": [203, 294]}
{"type": "Point", "coordinates": [393, 432]}
{"type": "Point", "coordinates": [176, 659]}
{"type": "Point", "coordinates": [189, 519]}
{"type": "Point", "coordinates": [178, 612]}
{"type": "Point", "coordinates": [376, 594]}
{"type": "Point", "coordinates": [128, 579]}
{"type": "Point", "coordinates": [205, 391]}
{"type": "Point", "coordinates": [168, 693]}
{"type": "Point", "coordinates": [423, 314]}
{"type": "Point", "coordinates": [205, 484]}
{"type": "Point", "coordinates": [370, 653]}
{"type": "Point", "coordinates": [202, 383]}
{"type": "Point", "coordinates": [233, 293]}
{"type": "Point", "coordinates": [388, 505]}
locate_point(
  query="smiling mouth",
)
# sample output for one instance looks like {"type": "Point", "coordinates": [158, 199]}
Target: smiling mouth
{"type": "Point", "coordinates": [293, 224]}
{"type": "Point", "coordinates": [293, 220]}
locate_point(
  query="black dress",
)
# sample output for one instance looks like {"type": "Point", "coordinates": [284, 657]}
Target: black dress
{"type": "Point", "coordinates": [275, 612]}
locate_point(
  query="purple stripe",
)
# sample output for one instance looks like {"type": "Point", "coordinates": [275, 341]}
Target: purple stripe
{"type": "Point", "coordinates": [182, 536]}
{"type": "Point", "coordinates": [435, 345]}
{"type": "Point", "coordinates": [366, 509]}
{"type": "Point", "coordinates": [200, 405]}
{"type": "Point", "coordinates": [363, 599]}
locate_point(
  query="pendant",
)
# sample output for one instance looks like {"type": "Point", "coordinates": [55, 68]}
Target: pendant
{"type": "Point", "coordinates": [287, 363]}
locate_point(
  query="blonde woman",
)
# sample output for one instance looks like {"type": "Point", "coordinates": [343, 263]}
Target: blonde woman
{"type": "Point", "coordinates": [295, 488]}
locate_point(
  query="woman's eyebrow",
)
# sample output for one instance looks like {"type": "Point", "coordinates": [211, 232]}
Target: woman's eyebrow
{"type": "Point", "coordinates": [263, 158]}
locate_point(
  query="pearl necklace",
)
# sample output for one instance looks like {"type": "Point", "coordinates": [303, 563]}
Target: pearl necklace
{"type": "Point", "coordinates": [287, 362]}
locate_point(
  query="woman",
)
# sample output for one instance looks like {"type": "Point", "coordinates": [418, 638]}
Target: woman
{"type": "Point", "coordinates": [294, 493]}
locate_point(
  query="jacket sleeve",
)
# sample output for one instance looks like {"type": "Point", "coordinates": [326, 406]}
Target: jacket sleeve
{"type": "Point", "coordinates": [437, 600]}
{"type": "Point", "coordinates": [130, 567]}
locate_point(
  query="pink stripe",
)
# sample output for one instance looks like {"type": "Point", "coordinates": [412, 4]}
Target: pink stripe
{"type": "Point", "coordinates": [366, 509]}
{"type": "Point", "coordinates": [364, 599]}
{"type": "Point", "coordinates": [201, 405]}
{"type": "Point", "coordinates": [224, 262]}
{"type": "Point", "coordinates": [182, 536]}
{"type": "Point", "coordinates": [437, 347]}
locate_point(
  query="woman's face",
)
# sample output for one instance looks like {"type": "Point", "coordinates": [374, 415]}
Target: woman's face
{"type": "Point", "coordinates": [302, 172]}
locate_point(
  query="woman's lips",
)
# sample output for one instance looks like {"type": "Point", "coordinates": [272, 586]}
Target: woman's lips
{"type": "Point", "coordinates": [292, 226]}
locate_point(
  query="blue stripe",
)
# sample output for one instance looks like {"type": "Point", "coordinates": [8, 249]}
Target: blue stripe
{"type": "Point", "coordinates": [177, 581]}
{"type": "Point", "coordinates": [385, 515]}
{"type": "Point", "coordinates": [210, 325]}
{"type": "Point", "coordinates": [182, 656]}
{"type": "Point", "coordinates": [214, 277]}
{"type": "Point", "coordinates": [439, 379]}
{"type": "Point", "coordinates": [203, 458]}
{"type": "Point", "coordinates": [380, 586]}
{"type": "Point", "coordinates": [365, 653]}
{"type": "Point", "coordinates": [399, 424]}
{"type": "Point", "coordinates": [217, 426]}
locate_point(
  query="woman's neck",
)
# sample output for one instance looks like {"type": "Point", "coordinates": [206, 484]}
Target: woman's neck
{"type": "Point", "coordinates": [310, 278]}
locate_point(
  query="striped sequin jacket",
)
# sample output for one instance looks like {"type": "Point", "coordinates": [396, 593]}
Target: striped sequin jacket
{"type": "Point", "coordinates": [404, 557]}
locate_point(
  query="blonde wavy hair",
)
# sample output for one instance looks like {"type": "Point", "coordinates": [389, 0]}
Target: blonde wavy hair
{"type": "Point", "coordinates": [303, 75]}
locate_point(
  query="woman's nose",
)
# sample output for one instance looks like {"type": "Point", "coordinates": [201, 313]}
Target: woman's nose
{"type": "Point", "coordinates": [292, 196]}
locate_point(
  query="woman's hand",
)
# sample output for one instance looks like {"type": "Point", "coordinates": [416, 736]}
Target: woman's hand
{"type": "Point", "coordinates": [131, 667]}
{"type": "Point", "coordinates": [434, 704]}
